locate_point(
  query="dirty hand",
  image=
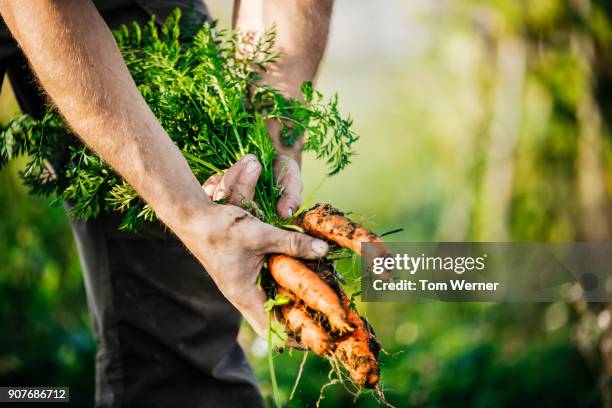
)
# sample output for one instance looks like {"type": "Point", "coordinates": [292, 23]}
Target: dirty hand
{"type": "Point", "coordinates": [286, 171]}
{"type": "Point", "coordinates": [237, 184]}
{"type": "Point", "coordinates": [232, 244]}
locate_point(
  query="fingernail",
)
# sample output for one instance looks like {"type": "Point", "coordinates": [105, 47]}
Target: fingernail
{"type": "Point", "coordinates": [319, 247]}
{"type": "Point", "coordinates": [252, 166]}
{"type": "Point", "coordinates": [290, 211]}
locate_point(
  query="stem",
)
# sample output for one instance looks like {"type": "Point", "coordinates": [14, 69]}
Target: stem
{"type": "Point", "coordinates": [229, 118]}
{"type": "Point", "coordinates": [297, 380]}
{"type": "Point", "coordinates": [264, 206]}
{"type": "Point", "coordinates": [202, 162]}
{"type": "Point", "coordinates": [288, 119]}
{"type": "Point", "coordinates": [236, 135]}
{"type": "Point", "coordinates": [275, 393]}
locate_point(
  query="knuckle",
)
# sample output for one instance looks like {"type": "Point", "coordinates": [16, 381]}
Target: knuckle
{"type": "Point", "coordinates": [294, 243]}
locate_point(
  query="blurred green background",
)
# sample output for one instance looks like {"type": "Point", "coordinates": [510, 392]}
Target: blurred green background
{"type": "Point", "coordinates": [480, 120]}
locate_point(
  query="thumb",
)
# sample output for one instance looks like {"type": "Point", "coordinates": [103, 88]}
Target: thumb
{"type": "Point", "coordinates": [295, 244]}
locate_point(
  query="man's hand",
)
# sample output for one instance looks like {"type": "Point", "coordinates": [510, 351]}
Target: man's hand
{"type": "Point", "coordinates": [235, 243]}
{"type": "Point", "coordinates": [237, 184]}
{"type": "Point", "coordinates": [232, 244]}
{"type": "Point", "coordinates": [287, 172]}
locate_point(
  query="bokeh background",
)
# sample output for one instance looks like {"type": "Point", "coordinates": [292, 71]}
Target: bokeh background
{"type": "Point", "coordinates": [480, 120]}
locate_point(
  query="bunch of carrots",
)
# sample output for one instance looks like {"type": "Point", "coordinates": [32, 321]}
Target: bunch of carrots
{"type": "Point", "coordinates": [319, 316]}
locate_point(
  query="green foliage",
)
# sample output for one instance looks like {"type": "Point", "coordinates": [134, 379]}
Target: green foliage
{"type": "Point", "coordinates": [205, 91]}
{"type": "Point", "coordinates": [45, 333]}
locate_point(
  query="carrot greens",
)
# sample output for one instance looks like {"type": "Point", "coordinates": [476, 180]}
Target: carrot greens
{"type": "Point", "coordinates": [205, 91]}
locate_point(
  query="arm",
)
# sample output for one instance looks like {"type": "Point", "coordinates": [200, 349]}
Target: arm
{"type": "Point", "coordinates": [302, 28]}
{"type": "Point", "coordinates": [77, 62]}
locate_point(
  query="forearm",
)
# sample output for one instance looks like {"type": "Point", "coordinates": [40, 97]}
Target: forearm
{"type": "Point", "coordinates": [79, 65]}
{"type": "Point", "coordinates": [302, 28]}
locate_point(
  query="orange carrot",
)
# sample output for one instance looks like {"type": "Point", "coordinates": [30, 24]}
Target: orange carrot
{"type": "Point", "coordinates": [358, 351]}
{"type": "Point", "coordinates": [326, 222]}
{"type": "Point", "coordinates": [306, 285]}
{"type": "Point", "coordinates": [305, 330]}
{"type": "Point", "coordinates": [314, 292]}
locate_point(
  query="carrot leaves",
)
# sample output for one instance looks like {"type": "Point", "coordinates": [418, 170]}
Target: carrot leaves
{"type": "Point", "coordinates": [205, 91]}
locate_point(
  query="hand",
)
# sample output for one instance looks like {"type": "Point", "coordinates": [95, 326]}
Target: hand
{"type": "Point", "coordinates": [238, 183]}
{"type": "Point", "coordinates": [287, 174]}
{"type": "Point", "coordinates": [232, 245]}
{"type": "Point", "coordinates": [287, 171]}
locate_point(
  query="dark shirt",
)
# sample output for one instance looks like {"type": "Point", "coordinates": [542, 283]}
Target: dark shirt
{"type": "Point", "coordinates": [112, 10]}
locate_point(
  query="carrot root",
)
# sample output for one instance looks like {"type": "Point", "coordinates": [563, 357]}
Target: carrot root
{"type": "Point", "coordinates": [306, 331]}
{"type": "Point", "coordinates": [306, 285]}
{"type": "Point", "coordinates": [358, 351]}
{"type": "Point", "coordinates": [319, 315]}
{"type": "Point", "coordinates": [326, 222]}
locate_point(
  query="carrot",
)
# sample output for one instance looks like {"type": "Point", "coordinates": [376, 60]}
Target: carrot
{"type": "Point", "coordinates": [358, 350]}
{"type": "Point", "coordinates": [305, 333]}
{"type": "Point", "coordinates": [326, 222]}
{"type": "Point", "coordinates": [316, 298]}
{"type": "Point", "coordinates": [306, 285]}
{"type": "Point", "coordinates": [305, 330]}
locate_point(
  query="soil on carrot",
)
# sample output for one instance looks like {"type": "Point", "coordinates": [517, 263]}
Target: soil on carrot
{"type": "Point", "coordinates": [326, 222]}
{"type": "Point", "coordinates": [312, 323]}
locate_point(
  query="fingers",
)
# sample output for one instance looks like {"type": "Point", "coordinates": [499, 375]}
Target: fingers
{"type": "Point", "coordinates": [237, 183]}
{"type": "Point", "coordinates": [288, 177]}
{"type": "Point", "coordinates": [226, 184]}
{"type": "Point", "coordinates": [293, 244]}
{"type": "Point", "coordinates": [244, 188]}
{"type": "Point", "coordinates": [211, 184]}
